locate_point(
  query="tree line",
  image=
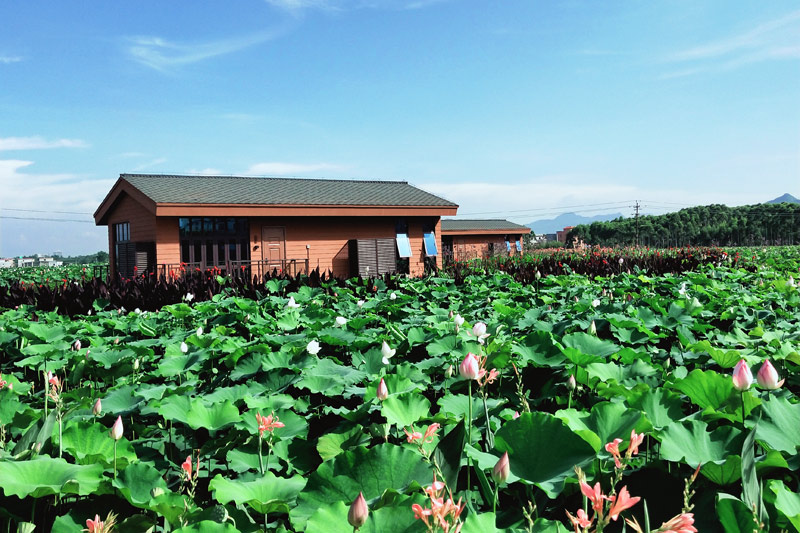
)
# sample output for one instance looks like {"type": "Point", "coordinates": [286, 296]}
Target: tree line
{"type": "Point", "coordinates": [709, 225]}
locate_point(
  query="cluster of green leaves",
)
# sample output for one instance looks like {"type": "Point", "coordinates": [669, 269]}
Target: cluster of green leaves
{"type": "Point", "coordinates": [659, 363]}
{"type": "Point", "coordinates": [49, 276]}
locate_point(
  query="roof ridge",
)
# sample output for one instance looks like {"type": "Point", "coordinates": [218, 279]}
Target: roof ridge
{"type": "Point", "coordinates": [254, 177]}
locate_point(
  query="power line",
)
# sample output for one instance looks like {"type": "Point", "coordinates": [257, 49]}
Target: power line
{"type": "Point", "coordinates": [50, 219]}
{"type": "Point", "coordinates": [44, 211]}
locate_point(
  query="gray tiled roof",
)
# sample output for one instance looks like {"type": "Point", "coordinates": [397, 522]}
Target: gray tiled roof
{"type": "Point", "coordinates": [279, 191]}
{"type": "Point", "coordinates": [486, 224]}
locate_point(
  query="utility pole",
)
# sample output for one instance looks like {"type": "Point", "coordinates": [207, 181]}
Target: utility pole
{"type": "Point", "coordinates": [636, 218]}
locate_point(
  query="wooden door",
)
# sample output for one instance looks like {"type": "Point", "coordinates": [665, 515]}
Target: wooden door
{"type": "Point", "coordinates": [273, 246]}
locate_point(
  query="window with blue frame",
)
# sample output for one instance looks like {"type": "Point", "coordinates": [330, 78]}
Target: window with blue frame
{"type": "Point", "coordinates": [430, 244]}
{"type": "Point", "coordinates": [403, 245]}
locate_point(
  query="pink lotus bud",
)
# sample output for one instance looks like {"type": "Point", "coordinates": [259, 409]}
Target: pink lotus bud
{"type": "Point", "coordinates": [501, 469]}
{"type": "Point", "coordinates": [571, 383]}
{"type": "Point", "coordinates": [116, 429]}
{"type": "Point", "coordinates": [357, 515]}
{"type": "Point", "coordinates": [742, 377]}
{"type": "Point", "coordinates": [76, 345]}
{"type": "Point", "coordinates": [768, 377]}
{"type": "Point", "coordinates": [98, 408]}
{"type": "Point", "coordinates": [470, 367]}
{"type": "Point", "coordinates": [383, 391]}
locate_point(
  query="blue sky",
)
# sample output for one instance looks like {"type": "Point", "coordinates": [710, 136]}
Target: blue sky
{"type": "Point", "coordinates": [513, 109]}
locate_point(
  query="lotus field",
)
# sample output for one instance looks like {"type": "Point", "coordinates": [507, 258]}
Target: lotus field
{"type": "Point", "coordinates": [628, 402]}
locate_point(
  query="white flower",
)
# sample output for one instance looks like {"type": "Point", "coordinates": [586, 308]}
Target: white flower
{"type": "Point", "coordinates": [341, 321]}
{"type": "Point", "coordinates": [387, 353]}
{"type": "Point", "coordinates": [137, 311]}
{"type": "Point", "coordinates": [184, 347]}
{"type": "Point", "coordinates": [595, 303]}
{"type": "Point", "coordinates": [136, 364]}
{"type": "Point", "coordinates": [621, 260]}
{"type": "Point", "coordinates": [459, 320]}
{"type": "Point", "coordinates": [790, 282]}
{"type": "Point", "coordinates": [479, 330]}
{"type": "Point", "coordinates": [292, 304]}
{"type": "Point", "coordinates": [592, 328]}
{"type": "Point", "coordinates": [393, 296]}
{"type": "Point", "coordinates": [313, 347]}
{"type": "Point", "coordinates": [189, 297]}
{"type": "Point", "coordinates": [199, 331]}
{"type": "Point", "coordinates": [682, 290]}
{"type": "Point", "coordinates": [360, 303]}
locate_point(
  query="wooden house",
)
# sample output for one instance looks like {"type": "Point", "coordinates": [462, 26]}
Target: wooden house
{"type": "Point", "coordinates": [165, 224]}
{"type": "Point", "coordinates": [471, 239]}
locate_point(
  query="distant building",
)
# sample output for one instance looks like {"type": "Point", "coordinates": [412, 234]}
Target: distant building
{"type": "Point", "coordinates": [7, 263]}
{"type": "Point", "coordinates": [561, 236]}
{"type": "Point", "coordinates": [470, 239]}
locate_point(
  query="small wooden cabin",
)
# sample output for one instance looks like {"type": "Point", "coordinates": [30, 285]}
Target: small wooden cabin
{"type": "Point", "coordinates": [166, 224]}
{"type": "Point", "coordinates": [470, 239]}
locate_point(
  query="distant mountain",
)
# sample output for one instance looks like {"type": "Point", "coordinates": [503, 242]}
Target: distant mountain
{"type": "Point", "coordinates": [788, 198]}
{"type": "Point", "coordinates": [553, 225]}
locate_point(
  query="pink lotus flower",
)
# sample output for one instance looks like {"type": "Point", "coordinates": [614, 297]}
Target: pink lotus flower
{"type": "Point", "coordinates": [620, 502]}
{"type": "Point", "coordinates": [742, 377]}
{"type": "Point", "coordinates": [581, 521]}
{"type": "Point", "coordinates": [768, 377]}
{"type": "Point", "coordinates": [382, 392]}
{"type": "Point", "coordinates": [613, 449]}
{"type": "Point", "coordinates": [97, 408]}
{"type": "Point", "coordinates": [470, 367]}
{"type": "Point", "coordinates": [636, 440]}
{"type": "Point", "coordinates": [116, 429]}
{"type": "Point", "coordinates": [571, 383]}
{"type": "Point", "coordinates": [359, 511]}
{"type": "Point", "coordinates": [268, 423]}
{"type": "Point", "coordinates": [94, 526]}
{"type": "Point", "coordinates": [595, 495]}
{"type": "Point", "coordinates": [683, 523]}
{"type": "Point", "coordinates": [187, 466]}
{"type": "Point", "coordinates": [502, 469]}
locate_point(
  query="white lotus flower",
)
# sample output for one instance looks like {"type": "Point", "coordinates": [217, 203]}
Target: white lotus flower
{"type": "Point", "coordinates": [479, 330]}
{"type": "Point", "coordinates": [292, 304]}
{"type": "Point", "coordinates": [393, 296]}
{"type": "Point", "coordinates": [682, 290]}
{"type": "Point", "coordinates": [360, 303]}
{"type": "Point", "coordinates": [189, 297]}
{"type": "Point", "coordinates": [313, 347]}
{"type": "Point", "coordinates": [184, 347]}
{"type": "Point", "coordinates": [341, 321]}
{"type": "Point", "coordinates": [199, 331]}
{"type": "Point", "coordinates": [387, 352]}
{"type": "Point", "coordinates": [595, 303]}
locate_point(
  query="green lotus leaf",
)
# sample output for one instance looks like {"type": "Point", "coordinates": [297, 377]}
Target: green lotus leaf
{"type": "Point", "coordinates": [733, 514]}
{"type": "Point", "coordinates": [265, 494]}
{"type": "Point", "coordinates": [91, 443]}
{"type": "Point", "coordinates": [779, 428]}
{"type": "Point", "coordinates": [137, 483]}
{"type": "Point", "coordinates": [195, 413]}
{"type": "Point", "coordinates": [691, 442]}
{"type": "Point", "coordinates": [329, 378]}
{"type": "Point", "coordinates": [606, 422]}
{"type": "Point", "coordinates": [207, 526]}
{"type": "Point", "coordinates": [540, 349]}
{"type": "Point", "coordinates": [405, 409]}
{"type": "Point", "coordinates": [332, 444]}
{"type": "Point", "coordinates": [589, 344]}
{"type": "Point", "coordinates": [332, 518]}
{"type": "Point", "coordinates": [660, 406]}
{"type": "Point", "coordinates": [534, 436]}
{"type": "Point", "coordinates": [371, 471]}
{"type": "Point", "coordinates": [121, 401]}
{"type": "Point", "coordinates": [43, 476]}
{"type": "Point", "coordinates": [786, 501]}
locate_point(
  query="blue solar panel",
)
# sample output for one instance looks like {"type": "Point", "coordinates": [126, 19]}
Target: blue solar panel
{"type": "Point", "coordinates": [430, 244]}
{"type": "Point", "coordinates": [403, 245]}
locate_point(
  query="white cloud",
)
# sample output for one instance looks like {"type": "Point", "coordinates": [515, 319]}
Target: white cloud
{"type": "Point", "coordinates": [155, 162]}
{"type": "Point", "coordinates": [777, 39]}
{"type": "Point", "coordinates": [10, 59]}
{"type": "Point", "coordinates": [38, 143]}
{"type": "Point", "coordinates": [549, 196]}
{"type": "Point", "coordinates": [276, 168]}
{"type": "Point", "coordinates": [163, 55]}
{"type": "Point", "coordinates": [205, 172]}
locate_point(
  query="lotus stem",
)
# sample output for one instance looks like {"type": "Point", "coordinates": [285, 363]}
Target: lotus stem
{"type": "Point", "coordinates": [469, 434]}
{"type": "Point", "coordinates": [115, 459]}
{"type": "Point", "coordinates": [260, 459]}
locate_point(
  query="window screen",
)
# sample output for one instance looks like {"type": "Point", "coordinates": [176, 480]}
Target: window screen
{"type": "Point", "coordinates": [403, 245]}
{"type": "Point", "coordinates": [430, 244]}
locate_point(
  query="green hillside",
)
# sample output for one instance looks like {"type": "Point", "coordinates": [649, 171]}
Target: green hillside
{"type": "Point", "coordinates": [710, 225]}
